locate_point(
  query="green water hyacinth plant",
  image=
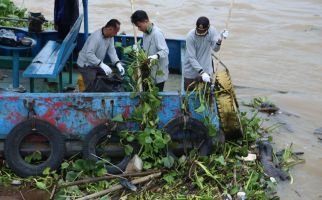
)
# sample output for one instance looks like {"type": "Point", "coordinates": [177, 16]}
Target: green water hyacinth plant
{"type": "Point", "coordinates": [151, 139]}
{"type": "Point", "coordinates": [13, 16]}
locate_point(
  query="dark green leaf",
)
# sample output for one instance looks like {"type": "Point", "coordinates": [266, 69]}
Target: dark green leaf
{"type": "Point", "coordinates": [159, 143]}
{"type": "Point", "coordinates": [148, 140]}
{"type": "Point", "coordinates": [64, 165]}
{"type": "Point", "coordinates": [102, 171]}
{"type": "Point", "coordinates": [244, 151]}
{"type": "Point", "coordinates": [46, 171]}
{"type": "Point", "coordinates": [41, 185]}
{"type": "Point", "coordinates": [170, 177]}
{"type": "Point", "coordinates": [128, 149]}
{"type": "Point", "coordinates": [130, 138]}
{"type": "Point", "coordinates": [212, 130]}
{"type": "Point", "coordinates": [130, 71]}
{"type": "Point", "coordinates": [220, 160]}
{"type": "Point", "coordinates": [147, 165]}
{"type": "Point", "coordinates": [127, 50]}
{"type": "Point", "coordinates": [234, 190]}
{"type": "Point", "coordinates": [201, 109]}
{"type": "Point", "coordinates": [146, 108]}
{"type": "Point", "coordinates": [168, 161]}
{"type": "Point", "coordinates": [71, 176]}
{"type": "Point", "coordinates": [105, 198]}
{"type": "Point", "coordinates": [118, 118]}
{"type": "Point", "coordinates": [118, 44]}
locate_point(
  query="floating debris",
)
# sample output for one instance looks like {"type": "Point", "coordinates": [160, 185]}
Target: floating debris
{"type": "Point", "coordinates": [241, 195]}
{"type": "Point", "coordinates": [16, 182]}
{"type": "Point", "coordinates": [268, 107]}
{"type": "Point", "coordinates": [318, 131]}
{"type": "Point", "coordinates": [135, 165]}
{"type": "Point", "coordinates": [127, 184]}
{"type": "Point", "coordinates": [263, 105]}
{"type": "Point", "coordinates": [266, 157]}
{"type": "Point", "coordinates": [249, 157]}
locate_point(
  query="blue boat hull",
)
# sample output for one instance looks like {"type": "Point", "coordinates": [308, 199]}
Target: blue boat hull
{"type": "Point", "coordinates": [75, 114]}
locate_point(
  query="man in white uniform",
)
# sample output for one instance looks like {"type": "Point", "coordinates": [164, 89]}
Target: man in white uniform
{"type": "Point", "coordinates": [154, 45]}
{"type": "Point", "coordinates": [91, 57]}
{"type": "Point", "coordinates": [200, 42]}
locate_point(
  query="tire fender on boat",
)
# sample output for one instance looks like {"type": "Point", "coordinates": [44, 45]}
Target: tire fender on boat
{"type": "Point", "coordinates": [16, 137]}
{"type": "Point", "coordinates": [110, 131]}
{"type": "Point", "coordinates": [188, 133]}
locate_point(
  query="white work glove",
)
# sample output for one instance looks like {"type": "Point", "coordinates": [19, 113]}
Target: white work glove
{"type": "Point", "coordinates": [135, 48]}
{"type": "Point", "coordinates": [120, 68]}
{"type": "Point", "coordinates": [205, 77]}
{"type": "Point", "coordinates": [224, 34]}
{"type": "Point", "coordinates": [153, 57]}
{"type": "Point", "coordinates": [106, 68]}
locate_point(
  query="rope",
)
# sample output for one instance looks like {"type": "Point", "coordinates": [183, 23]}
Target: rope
{"type": "Point", "coordinates": [229, 15]}
{"type": "Point", "coordinates": [218, 60]}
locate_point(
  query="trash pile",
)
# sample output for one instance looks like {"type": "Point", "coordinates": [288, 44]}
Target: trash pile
{"type": "Point", "coordinates": [8, 38]}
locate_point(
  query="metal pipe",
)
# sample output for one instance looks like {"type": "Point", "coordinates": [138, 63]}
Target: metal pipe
{"type": "Point", "coordinates": [85, 10]}
{"type": "Point", "coordinates": [14, 19]}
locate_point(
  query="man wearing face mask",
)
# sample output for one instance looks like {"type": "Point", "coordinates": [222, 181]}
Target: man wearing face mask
{"type": "Point", "coordinates": [200, 42]}
{"type": "Point", "coordinates": [154, 45]}
{"type": "Point", "coordinates": [91, 57]}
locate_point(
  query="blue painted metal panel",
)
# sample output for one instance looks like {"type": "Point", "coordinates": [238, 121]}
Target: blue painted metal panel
{"type": "Point", "coordinates": [75, 114]}
{"type": "Point", "coordinates": [176, 47]}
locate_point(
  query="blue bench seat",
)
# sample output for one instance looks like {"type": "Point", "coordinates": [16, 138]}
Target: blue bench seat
{"type": "Point", "coordinates": [50, 61]}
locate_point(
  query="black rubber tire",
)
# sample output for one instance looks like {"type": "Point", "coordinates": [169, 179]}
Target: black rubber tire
{"type": "Point", "coordinates": [15, 138]}
{"type": "Point", "coordinates": [193, 131]}
{"type": "Point", "coordinates": [94, 136]}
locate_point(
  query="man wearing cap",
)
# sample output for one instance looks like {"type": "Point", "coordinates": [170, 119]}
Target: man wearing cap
{"type": "Point", "coordinates": [91, 57]}
{"type": "Point", "coordinates": [200, 42]}
{"type": "Point", "coordinates": [155, 46]}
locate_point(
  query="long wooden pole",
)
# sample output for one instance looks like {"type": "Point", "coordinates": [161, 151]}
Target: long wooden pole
{"type": "Point", "coordinates": [117, 187]}
{"type": "Point", "coordinates": [134, 29]}
{"type": "Point", "coordinates": [136, 43]}
{"type": "Point", "coordinates": [101, 178]}
{"type": "Point", "coordinates": [219, 54]}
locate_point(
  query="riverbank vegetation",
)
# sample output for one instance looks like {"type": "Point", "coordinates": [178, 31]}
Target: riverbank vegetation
{"type": "Point", "coordinates": [13, 16]}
